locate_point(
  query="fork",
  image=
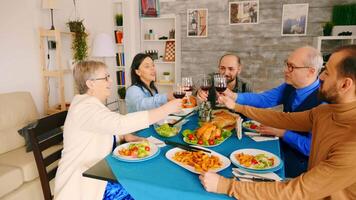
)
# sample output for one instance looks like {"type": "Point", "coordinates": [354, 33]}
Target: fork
{"type": "Point", "coordinates": [253, 175]}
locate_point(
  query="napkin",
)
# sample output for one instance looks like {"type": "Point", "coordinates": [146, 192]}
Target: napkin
{"type": "Point", "coordinates": [258, 138]}
{"type": "Point", "coordinates": [239, 128]}
{"type": "Point", "coordinates": [156, 141]}
{"type": "Point", "coordinates": [246, 174]}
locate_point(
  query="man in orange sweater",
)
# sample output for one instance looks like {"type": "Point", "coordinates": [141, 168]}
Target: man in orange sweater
{"type": "Point", "coordinates": [332, 163]}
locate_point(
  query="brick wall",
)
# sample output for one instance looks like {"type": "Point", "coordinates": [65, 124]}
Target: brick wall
{"type": "Point", "coordinates": [260, 46]}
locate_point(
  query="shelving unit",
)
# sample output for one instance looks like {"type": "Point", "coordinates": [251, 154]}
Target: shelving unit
{"type": "Point", "coordinates": [57, 73]}
{"type": "Point", "coordinates": [161, 26]}
{"type": "Point", "coordinates": [121, 70]}
{"type": "Point", "coordinates": [326, 44]}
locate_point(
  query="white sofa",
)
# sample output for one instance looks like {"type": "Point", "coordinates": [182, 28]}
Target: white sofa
{"type": "Point", "coordinates": [18, 170]}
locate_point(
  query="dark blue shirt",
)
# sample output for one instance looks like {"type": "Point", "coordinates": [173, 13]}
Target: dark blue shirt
{"type": "Point", "coordinates": [274, 97]}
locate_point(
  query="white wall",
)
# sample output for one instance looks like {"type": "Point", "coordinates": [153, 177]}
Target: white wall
{"type": "Point", "coordinates": [19, 41]}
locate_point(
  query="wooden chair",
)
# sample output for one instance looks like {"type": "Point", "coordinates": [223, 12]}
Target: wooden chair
{"type": "Point", "coordinates": [50, 127]}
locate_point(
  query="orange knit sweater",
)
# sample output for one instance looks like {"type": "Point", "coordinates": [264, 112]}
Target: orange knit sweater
{"type": "Point", "coordinates": [332, 163]}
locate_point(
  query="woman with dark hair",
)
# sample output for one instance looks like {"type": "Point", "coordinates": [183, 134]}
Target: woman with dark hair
{"type": "Point", "coordinates": [143, 94]}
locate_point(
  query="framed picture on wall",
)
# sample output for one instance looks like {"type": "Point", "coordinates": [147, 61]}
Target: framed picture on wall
{"type": "Point", "coordinates": [197, 22]}
{"type": "Point", "coordinates": [149, 8]}
{"type": "Point", "coordinates": [294, 19]}
{"type": "Point", "coordinates": [243, 12]}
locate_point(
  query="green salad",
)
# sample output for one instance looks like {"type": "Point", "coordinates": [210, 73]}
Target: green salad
{"type": "Point", "coordinates": [263, 162]}
{"type": "Point", "coordinates": [166, 131]}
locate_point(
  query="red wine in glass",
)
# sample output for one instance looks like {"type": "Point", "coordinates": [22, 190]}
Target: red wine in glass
{"type": "Point", "coordinates": [205, 88]}
{"type": "Point", "coordinates": [220, 89]}
{"type": "Point", "coordinates": [179, 95]}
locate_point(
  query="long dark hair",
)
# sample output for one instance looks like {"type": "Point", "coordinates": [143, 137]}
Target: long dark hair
{"type": "Point", "coordinates": [135, 79]}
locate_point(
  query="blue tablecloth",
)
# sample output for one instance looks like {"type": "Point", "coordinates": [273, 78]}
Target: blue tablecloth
{"type": "Point", "coordinates": [160, 178]}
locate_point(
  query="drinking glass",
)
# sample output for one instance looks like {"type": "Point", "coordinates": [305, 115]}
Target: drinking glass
{"type": "Point", "coordinates": [220, 85]}
{"type": "Point", "coordinates": [187, 83]}
{"type": "Point", "coordinates": [178, 91]}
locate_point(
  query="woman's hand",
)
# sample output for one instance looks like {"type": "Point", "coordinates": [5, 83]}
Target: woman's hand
{"type": "Point", "coordinates": [266, 130]}
{"type": "Point", "coordinates": [209, 181]}
{"type": "Point", "coordinates": [227, 101]}
{"type": "Point", "coordinates": [133, 138]}
{"type": "Point", "coordinates": [173, 106]}
{"type": "Point", "coordinates": [170, 96]}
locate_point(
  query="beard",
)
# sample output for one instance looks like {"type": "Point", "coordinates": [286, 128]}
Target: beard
{"type": "Point", "coordinates": [230, 79]}
{"type": "Point", "coordinates": [329, 96]}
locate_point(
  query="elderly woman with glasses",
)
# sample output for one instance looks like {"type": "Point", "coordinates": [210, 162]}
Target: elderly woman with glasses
{"type": "Point", "coordinates": [89, 134]}
{"type": "Point", "coordinates": [143, 94]}
{"type": "Point", "coordinates": [298, 93]}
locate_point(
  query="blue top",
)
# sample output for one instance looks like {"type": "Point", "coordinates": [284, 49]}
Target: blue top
{"type": "Point", "coordinates": [139, 99]}
{"type": "Point", "coordinates": [274, 97]}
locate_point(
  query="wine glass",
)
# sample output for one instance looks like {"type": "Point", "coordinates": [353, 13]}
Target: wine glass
{"type": "Point", "coordinates": [205, 83]}
{"type": "Point", "coordinates": [178, 91]}
{"type": "Point", "coordinates": [187, 83]}
{"type": "Point", "coordinates": [220, 84]}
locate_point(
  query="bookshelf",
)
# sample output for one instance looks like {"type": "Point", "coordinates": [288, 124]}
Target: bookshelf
{"type": "Point", "coordinates": [57, 73]}
{"type": "Point", "coordinates": [156, 36]}
{"type": "Point", "coordinates": [327, 44]}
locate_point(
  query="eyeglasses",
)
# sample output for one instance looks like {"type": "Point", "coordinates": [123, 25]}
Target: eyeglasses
{"type": "Point", "coordinates": [291, 66]}
{"type": "Point", "coordinates": [106, 78]}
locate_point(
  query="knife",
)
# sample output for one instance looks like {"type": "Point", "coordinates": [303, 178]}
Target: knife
{"type": "Point", "coordinates": [184, 146]}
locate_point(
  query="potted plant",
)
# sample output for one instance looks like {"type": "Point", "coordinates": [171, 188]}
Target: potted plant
{"type": "Point", "coordinates": [79, 44]}
{"type": "Point", "coordinates": [122, 92]}
{"type": "Point", "coordinates": [327, 28]}
{"type": "Point", "coordinates": [119, 19]}
{"type": "Point", "coordinates": [166, 76]}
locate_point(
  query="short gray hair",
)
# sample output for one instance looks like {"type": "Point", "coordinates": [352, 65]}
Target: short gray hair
{"type": "Point", "coordinates": [84, 71]}
{"type": "Point", "coordinates": [313, 58]}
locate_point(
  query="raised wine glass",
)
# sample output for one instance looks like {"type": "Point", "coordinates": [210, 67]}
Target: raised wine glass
{"type": "Point", "coordinates": [187, 83]}
{"type": "Point", "coordinates": [178, 91]}
{"type": "Point", "coordinates": [220, 84]}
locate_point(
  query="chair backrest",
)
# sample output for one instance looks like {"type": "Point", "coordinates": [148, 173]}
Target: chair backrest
{"type": "Point", "coordinates": [50, 127]}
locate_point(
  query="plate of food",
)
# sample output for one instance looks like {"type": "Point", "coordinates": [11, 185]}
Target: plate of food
{"type": "Point", "coordinates": [199, 161]}
{"type": "Point", "coordinates": [251, 125]}
{"type": "Point", "coordinates": [136, 151]}
{"type": "Point", "coordinates": [256, 160]}
{"type": "Point", "coordinates": [208, 135]}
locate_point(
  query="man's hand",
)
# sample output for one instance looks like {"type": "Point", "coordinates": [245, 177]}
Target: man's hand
{"type": "Point", "coordinates": [209, 181]}
{"type": "Point", "coordinates": [229, 93]}
{"type": "Point", "coordinates": [227, 101]}
{"type": "Point", "coordinates": [267, 130]}
{"type": "Point", "coordinates": [202, 95]}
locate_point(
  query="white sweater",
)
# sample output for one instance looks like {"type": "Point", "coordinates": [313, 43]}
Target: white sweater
{"type": "Point", "coordinates": [88, 138]}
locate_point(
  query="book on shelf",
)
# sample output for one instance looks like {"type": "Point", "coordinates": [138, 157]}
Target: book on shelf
{"type": "Point", "coordinates": [120, 59]}
{"type": "Point", "coordinates": [120, 75]}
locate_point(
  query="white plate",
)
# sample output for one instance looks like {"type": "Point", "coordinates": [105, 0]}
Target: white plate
{"type": "Point", "coordinates": [154, 151]}
{"type": "Point", "coordinates": [225, 161]}
{"type": "Point", "coordinates": [277, 161]}
{"type": "Point", "coordinates": [247, 128]}
{"type": "Point", "coordinates": [185, 111]}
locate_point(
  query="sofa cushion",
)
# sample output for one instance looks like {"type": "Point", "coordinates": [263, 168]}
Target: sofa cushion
{"type": "Point", "coordinates": [25, 161]}
{"type": "Point", "coordinates": [17, 110]}
{"type": "Point", "coordinates": [10, 179]}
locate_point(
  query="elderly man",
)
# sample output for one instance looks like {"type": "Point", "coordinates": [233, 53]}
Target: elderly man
{"type": "Point", "coordinates": [230, 66]}
{"type": "Point", "coordinates": [332, 166]}
{"type": "Point", "coordinates": [298, 93]}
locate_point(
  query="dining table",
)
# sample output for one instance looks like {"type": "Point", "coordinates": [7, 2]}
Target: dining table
{"type": "Point", "coordinates": [159, 178]}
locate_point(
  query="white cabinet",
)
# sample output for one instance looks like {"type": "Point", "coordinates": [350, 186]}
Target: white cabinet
{"type": "Point", "coordinates": [327, 44]}
{"type": "Point", "coordinates": [165, 46]}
